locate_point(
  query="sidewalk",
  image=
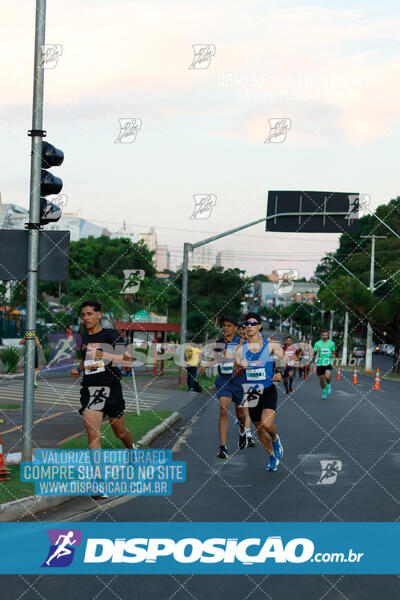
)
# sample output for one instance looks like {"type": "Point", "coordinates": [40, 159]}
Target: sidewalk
{"type": "Point", "coordinates": [56, 414]}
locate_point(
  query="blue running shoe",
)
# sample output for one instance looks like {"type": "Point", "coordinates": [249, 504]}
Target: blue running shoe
{"type": "Point", "coordinates": [324, 396]}
{"type": "Point", "coordinates": [273, 463]}
{"type": "Point", "coordinates": [328, 388]}
{"type": "Point", "coordinates": [278, 448]}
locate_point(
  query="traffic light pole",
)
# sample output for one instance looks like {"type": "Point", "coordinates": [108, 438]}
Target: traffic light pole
{"type": "Point", "coordinates": [34, 220]}
{"type": "Point", "coordinates": [187, 247]}
{"type": "Point", "coordinates": [368, 352]}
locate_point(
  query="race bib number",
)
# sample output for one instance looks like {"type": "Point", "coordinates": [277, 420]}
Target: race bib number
{"type": "Point", "coordinates": [252, 394]}
{"type": "Point", "coordinates": [256, 374]}
{"type": "Point", "coordinates": [93, 366]}
{"type": "Point", "coordinates": [227, 368]}
{"type": "Point", "coordinates": [325, 352]}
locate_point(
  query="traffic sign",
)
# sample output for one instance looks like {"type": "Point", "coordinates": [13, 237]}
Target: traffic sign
{"type": "Point", "coordinates": [312, 212]}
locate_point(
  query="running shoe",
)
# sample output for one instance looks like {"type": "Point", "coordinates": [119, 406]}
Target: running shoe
{"type": "Point", "coordinates": [99, 497]}
{"type": "Point", "coordinates": [324, 396]}
{"type": "Point", "coordinates": [251, 442]}
{"type": "Point", "coordinates": [278, 448]}
{"type": "Point", "coordinates": [328, 388]}
{"type": "Point", "coordinates": [242, 440]}
{"type": "Point", "coordinates": [273, 463]}
{"type": "Point", "coordinates": [222, 452]}
{"type": "Point", "coordinates": [35, 384]}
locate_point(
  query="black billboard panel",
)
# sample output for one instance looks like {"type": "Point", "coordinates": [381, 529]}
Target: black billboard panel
{"type": "Point", "coordinates": [313, 212]}
{"type": "Point", "coordinates": [53, 255]}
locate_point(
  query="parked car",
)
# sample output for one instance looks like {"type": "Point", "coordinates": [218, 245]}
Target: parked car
{"type": "Point", "coordinates": [358, 352]}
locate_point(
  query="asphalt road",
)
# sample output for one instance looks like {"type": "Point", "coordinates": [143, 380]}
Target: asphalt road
{"type": "Point", "coordinates": [356, 429]}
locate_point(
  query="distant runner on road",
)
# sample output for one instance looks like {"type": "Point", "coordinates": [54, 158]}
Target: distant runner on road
{"type": "Point", "coordinates": [256, 357]}
{"type": "Point", "coordinates": [290, 351]}
{"type": "Point", "coordinates": [325, 350]}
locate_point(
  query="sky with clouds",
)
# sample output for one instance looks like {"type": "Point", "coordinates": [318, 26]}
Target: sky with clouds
{"type": "Point", "coordinates": [331, 68]}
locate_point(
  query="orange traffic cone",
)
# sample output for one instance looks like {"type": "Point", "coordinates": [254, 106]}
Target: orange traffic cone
{"type": "Point", "coordinates": [355, 377]}
{"type": "Point", "coordinates": [338, 374]}
{"type": "Point", "coordinates": [314, 369]}
{"type": "Point", "coordinates": [377, 381]}
{"type": "Point", "coordinates": [4, 472]}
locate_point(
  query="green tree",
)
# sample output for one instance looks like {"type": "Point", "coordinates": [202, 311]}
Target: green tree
{"type": "Point", "coordinates": [340, 291]}
{"type": "Point", "coordinates": [211, 294]}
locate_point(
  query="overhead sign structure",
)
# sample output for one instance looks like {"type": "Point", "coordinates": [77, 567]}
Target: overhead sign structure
{"type": "Point", "coordinates": [312, 212]}
{"type": "Point", "coordinates": [133, 277]}
{"type": "Point", "coordinates": [53, 255]}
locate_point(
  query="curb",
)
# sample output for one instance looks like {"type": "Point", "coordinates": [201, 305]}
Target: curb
{"type": "Point", "coordinates": [17, 509]}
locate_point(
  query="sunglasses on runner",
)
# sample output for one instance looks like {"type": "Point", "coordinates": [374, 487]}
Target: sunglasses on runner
{"type": "Point", "coordinates": [251, 323]}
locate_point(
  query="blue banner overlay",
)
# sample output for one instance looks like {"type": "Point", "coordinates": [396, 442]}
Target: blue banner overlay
{"type": "Point", "coordinates": [97, 472]}
{"type": "Point", "coordinates": [204, 548]}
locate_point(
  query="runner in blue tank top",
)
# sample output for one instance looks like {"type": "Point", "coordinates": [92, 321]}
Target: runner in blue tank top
{"type": "Point", "coordinates": [229, 387]}
{"type": "Point", "coordinates": [256, 357]}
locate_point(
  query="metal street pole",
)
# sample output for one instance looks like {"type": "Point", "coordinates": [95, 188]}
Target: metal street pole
{"type": "Point", "coordinates": [345, 338]}
{"type": "Point", "coordinates": [34, 220]}
{"type": "Point", "coordinates": [368, 353]}
{"type": "Point", "coordinates": [187, 247]}
{"type": "Point", "coordinates": [331, 324]}
{"type": "Point", "coordinates": [312, 322]}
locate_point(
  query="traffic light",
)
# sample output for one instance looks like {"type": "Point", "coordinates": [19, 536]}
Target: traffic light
{"type": "Point", "coordinates": [50, 184]}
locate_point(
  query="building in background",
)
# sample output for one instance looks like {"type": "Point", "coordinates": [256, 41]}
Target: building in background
{"type": "Point", "coordinates": [267, 294]}
{"type": "Point", "coordinates": [225, 259]}
{"type": "Point", "coordinates": [13, 216]}
{"type": "Point", "coordinates": [273, 276]}
{"type": "Point", "coordinates": [201, 257]}
{"type": "Point", "coordinates": [79, 228]}
{"type": "Point", "coordinates": [150, 239]}
{"type": "Point", "coordinates": [162, 257]}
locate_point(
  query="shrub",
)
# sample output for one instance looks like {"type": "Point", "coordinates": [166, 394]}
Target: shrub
{"type": "Point", "coordinates": [10, 358]}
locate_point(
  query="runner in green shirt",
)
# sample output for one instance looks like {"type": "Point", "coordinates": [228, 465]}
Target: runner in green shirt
{"type": "Point", "coordinates": [325, 352]}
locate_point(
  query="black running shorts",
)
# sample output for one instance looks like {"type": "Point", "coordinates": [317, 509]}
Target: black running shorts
{"type": "Point", "coordinates": [267, 400]}
{"type": "Point", "coordinates": [288, 370]}
{"type": "Point", "coordinates": [107, 399]}
{"type": "Point", "coordinates": [322, 368]}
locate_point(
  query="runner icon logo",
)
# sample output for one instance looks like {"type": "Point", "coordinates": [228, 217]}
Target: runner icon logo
{"type": "Point", "coordinates": [252, 394]}
{"type": "Point", "coordinates": [203, 205]}
{"type": "Point", "coordinates": [50, 55]}
{"type": "Point", "coordinates": [285, 282]}
{"type": "Point", "coordinates": [278, 129]}
{"type": "Point", "coordinates": [203, 54]}
{"type": "Point", "coordinates": [98, 397]}
{"type": "Point", "coordinates": [128, 129]}
{"type": "Point", "coordinates": [63, 543]}
{"type": "Point", "coordinates": [329, 471]}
